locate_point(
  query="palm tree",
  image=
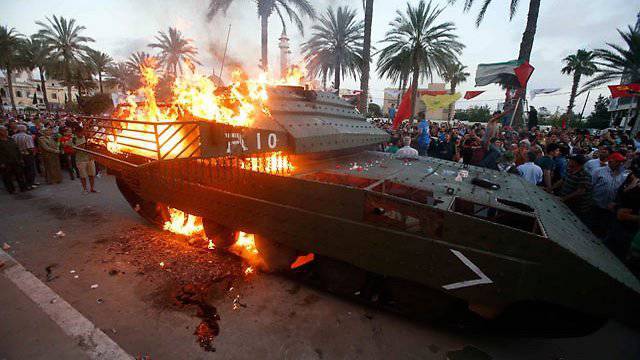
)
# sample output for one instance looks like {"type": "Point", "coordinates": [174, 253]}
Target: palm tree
{"type": "Point", "coordinates": [121, 75]}
{"type": "Point", "coordinates": [431, 45]}
{"type": "Point", "coordinates": [35, 55]}
{"type": "Point", "coordinates": [397, 69]}
{"type": "Point", "coordinates": [337, 38]}
{"type": "Point", "coordinates": [366, 55]}
{"type": "Point", "coordinates": [580, 63]}
{"type": "Point", "coordinates": [98, 62]}
{"type": "Point", "coordinates": [66, 45]}
{"type": "Point", "coordinates": [140, 59]}
{"type": "Point", "coordinates": [295, 9]}
{"type": "Point", "coordinates": [174, 50]}
{"type": "Point", "coordinates": [526, 44]}
{"type": "Point", "coordinates": [10, 43]}
{"type": "Point", "coordinates": [616, 62]}
{"type": "Point", "coordinates": [454, 73]}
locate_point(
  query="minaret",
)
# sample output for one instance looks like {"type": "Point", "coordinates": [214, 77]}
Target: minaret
{"type": "Point", "coordinates": [284, 53]}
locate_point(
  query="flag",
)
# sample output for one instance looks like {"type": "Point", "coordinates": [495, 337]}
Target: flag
{"type": "Point", "coordinates": [439, 101]}
{"type": "Point", "coordinates": [523, 73]}
{"type": "Point", "coordinates": [535, 92]}
{"type": "Point", "coordinates": [472, 93]}
{"type": "Point", "coordinates": [404, 109]}
{"type": "Point", "coordinates": [625, 90]}
{"type": "Point", "coordinates": [514, 73]}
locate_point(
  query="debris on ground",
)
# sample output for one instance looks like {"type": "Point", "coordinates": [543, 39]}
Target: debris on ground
{"type": "Point", "coordinates": [60, 234]}
{"type": "Point", "coordinates": [99, 300]}
{"type": "Point", "coordinates": [6, 246]}
{"type": "Point", "coordinates": [94, 286]}
{"type": "Point", "coordinates": [72, 271]}
{"type": "Point", "coordinates": [170, 256]}
{"type": "Point", "coordinates": [1, 264]}
{"type": "Point", "coordinates": [113, 272]}
{"type": "Point", "coordinates": [49, 271]}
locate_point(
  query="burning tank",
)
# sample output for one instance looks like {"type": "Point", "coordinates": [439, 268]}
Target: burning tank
{"type": "Point", "coordinates": [302, 174]}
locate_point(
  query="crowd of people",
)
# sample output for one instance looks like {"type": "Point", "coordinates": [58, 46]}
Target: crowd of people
{"type": "Point", "coordinates": [41, 146]}
{"type": "Point", "coordinates": [596, 175]}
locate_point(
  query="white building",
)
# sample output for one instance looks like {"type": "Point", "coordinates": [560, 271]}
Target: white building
{"type": "Point", "coordinates": [25, 85]}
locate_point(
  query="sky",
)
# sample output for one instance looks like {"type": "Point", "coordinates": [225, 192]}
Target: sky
{"type": "Point", "coordinates": [120, 27]}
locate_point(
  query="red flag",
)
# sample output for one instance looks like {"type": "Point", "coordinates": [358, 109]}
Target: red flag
{"type": "Point", "coordinates": [626, 90]}
{"type": "Point", "coordinates": [523, 72]}
{"type": "Point", "coordinates": [472, 93]}
{"type": "Point", "coordinates": [404, 109]}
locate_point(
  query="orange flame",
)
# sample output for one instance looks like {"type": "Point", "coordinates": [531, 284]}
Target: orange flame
{"type": "Point", "coordinates": [272, 163]}
{"type": "Point", "coordinates": [183, 223]}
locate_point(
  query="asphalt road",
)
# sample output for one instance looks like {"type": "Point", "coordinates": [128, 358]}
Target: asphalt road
{"type": "Point", "coordinates": [279, 317]}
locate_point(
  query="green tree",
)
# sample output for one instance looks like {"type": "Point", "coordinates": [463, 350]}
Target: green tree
{"type": "Point", "coordinates": [10, 44]}
{"type": "Point", "coordinates": [121, 75]}
{"type": "Point", "coordinates": [618, 63]}
{"type": "Point", "coordinates": [140, 59]}
{"type": "Point", "coordinates": [366, 54]}
{"type": "Point", "coordinates": [35, 55]}
{"type": "Point", "coordinates": [295, 10]}
{"type": "Point", "coordinates": [98, 62]}
{"type": "Point", "coordinates": [337, 38]}
{"type": "Point", "coordinates": [397, 69]}
{"type": "Point", "coordinates": [66, 45]}
{"type": "Point", "coordinates": [430, 44]}
{"type": "Point", "coordinates": [581, 63]}
{"type": "Point", "coordinates": [174, 50]}
{"type": "Point", "coordinates": [374, 110]}
{"type": "Point", "coordinates": [600, 117]}
{"type": "Point", "coordinates": [454, 73]}
{"type": "Point", "coordinates": [475, 114]}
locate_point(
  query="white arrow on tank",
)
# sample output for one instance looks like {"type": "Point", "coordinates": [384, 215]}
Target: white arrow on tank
{"type": "Point", "coordinates": [482, 278]}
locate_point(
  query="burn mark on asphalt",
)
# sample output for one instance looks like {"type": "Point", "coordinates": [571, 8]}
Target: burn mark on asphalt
{"type": "Point", "coordinates": [49, 271]}
{"type": "Point", "coordinates": [468, 353]}
{"type": "Point", "coordinates": [208, 328]}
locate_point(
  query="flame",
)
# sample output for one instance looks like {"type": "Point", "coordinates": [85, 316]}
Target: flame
{"type": "Point", "coordinates": [296, 76]}
{"type": "Point", "coordinates": [248, 270]}
{"type": "Point", "coordinates": [237, 104]}
{"type": "Point", "coordinates": [272, 163]}
{"type": "Point", "coordinates": [246, 243]}
{"type": "Point", "coordinates": [183, 223]}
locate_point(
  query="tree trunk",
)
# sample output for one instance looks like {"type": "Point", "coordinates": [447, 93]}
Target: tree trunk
{"type": "Point", "coordinates": [336, 77]}
{"type": "Point", "coordinates": [526, 45]}
{"type": "Point", "coordinates": [43, 87]}
{"type": "Point", "coordinates": [452, 105]}
{"type": "Point", "coordinates": [10, 84]}
{"type": "Point", "coordinates": [405, 80]}
{"type": "Point", "coordinates": [68, 79]}
{"type": "Point", "coordinates": [414, 83]}
{"type": "Point", "coordinates": [100, 81]}
{"type": "Point", "coordinates": [574, 90]}
{"type": "Point", "coordinates": [264, 26]}
{"type": "Point", "coordinates": [324, 80]}
{"type": "Point", "coordinates": [366, 56]}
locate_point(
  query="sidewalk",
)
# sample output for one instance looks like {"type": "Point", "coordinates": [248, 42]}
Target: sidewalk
{"type": "Point", "coordinates": [35, 323]}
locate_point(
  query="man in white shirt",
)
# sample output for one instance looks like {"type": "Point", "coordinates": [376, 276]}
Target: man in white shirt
{"type": "Point", "coordinates": [27, 149]}
{"type": "Point", "coordinates": [529, 171]}
{"type": "Point", "coordinates": [594, 164]}
{"type": "Point", "coordinates": [407, 152]}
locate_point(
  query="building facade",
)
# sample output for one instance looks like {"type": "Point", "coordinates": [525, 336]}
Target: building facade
{"type": "Point", "coordinates": [25, 86]}
{"type": "Point", "coordinates": [391, 96]}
